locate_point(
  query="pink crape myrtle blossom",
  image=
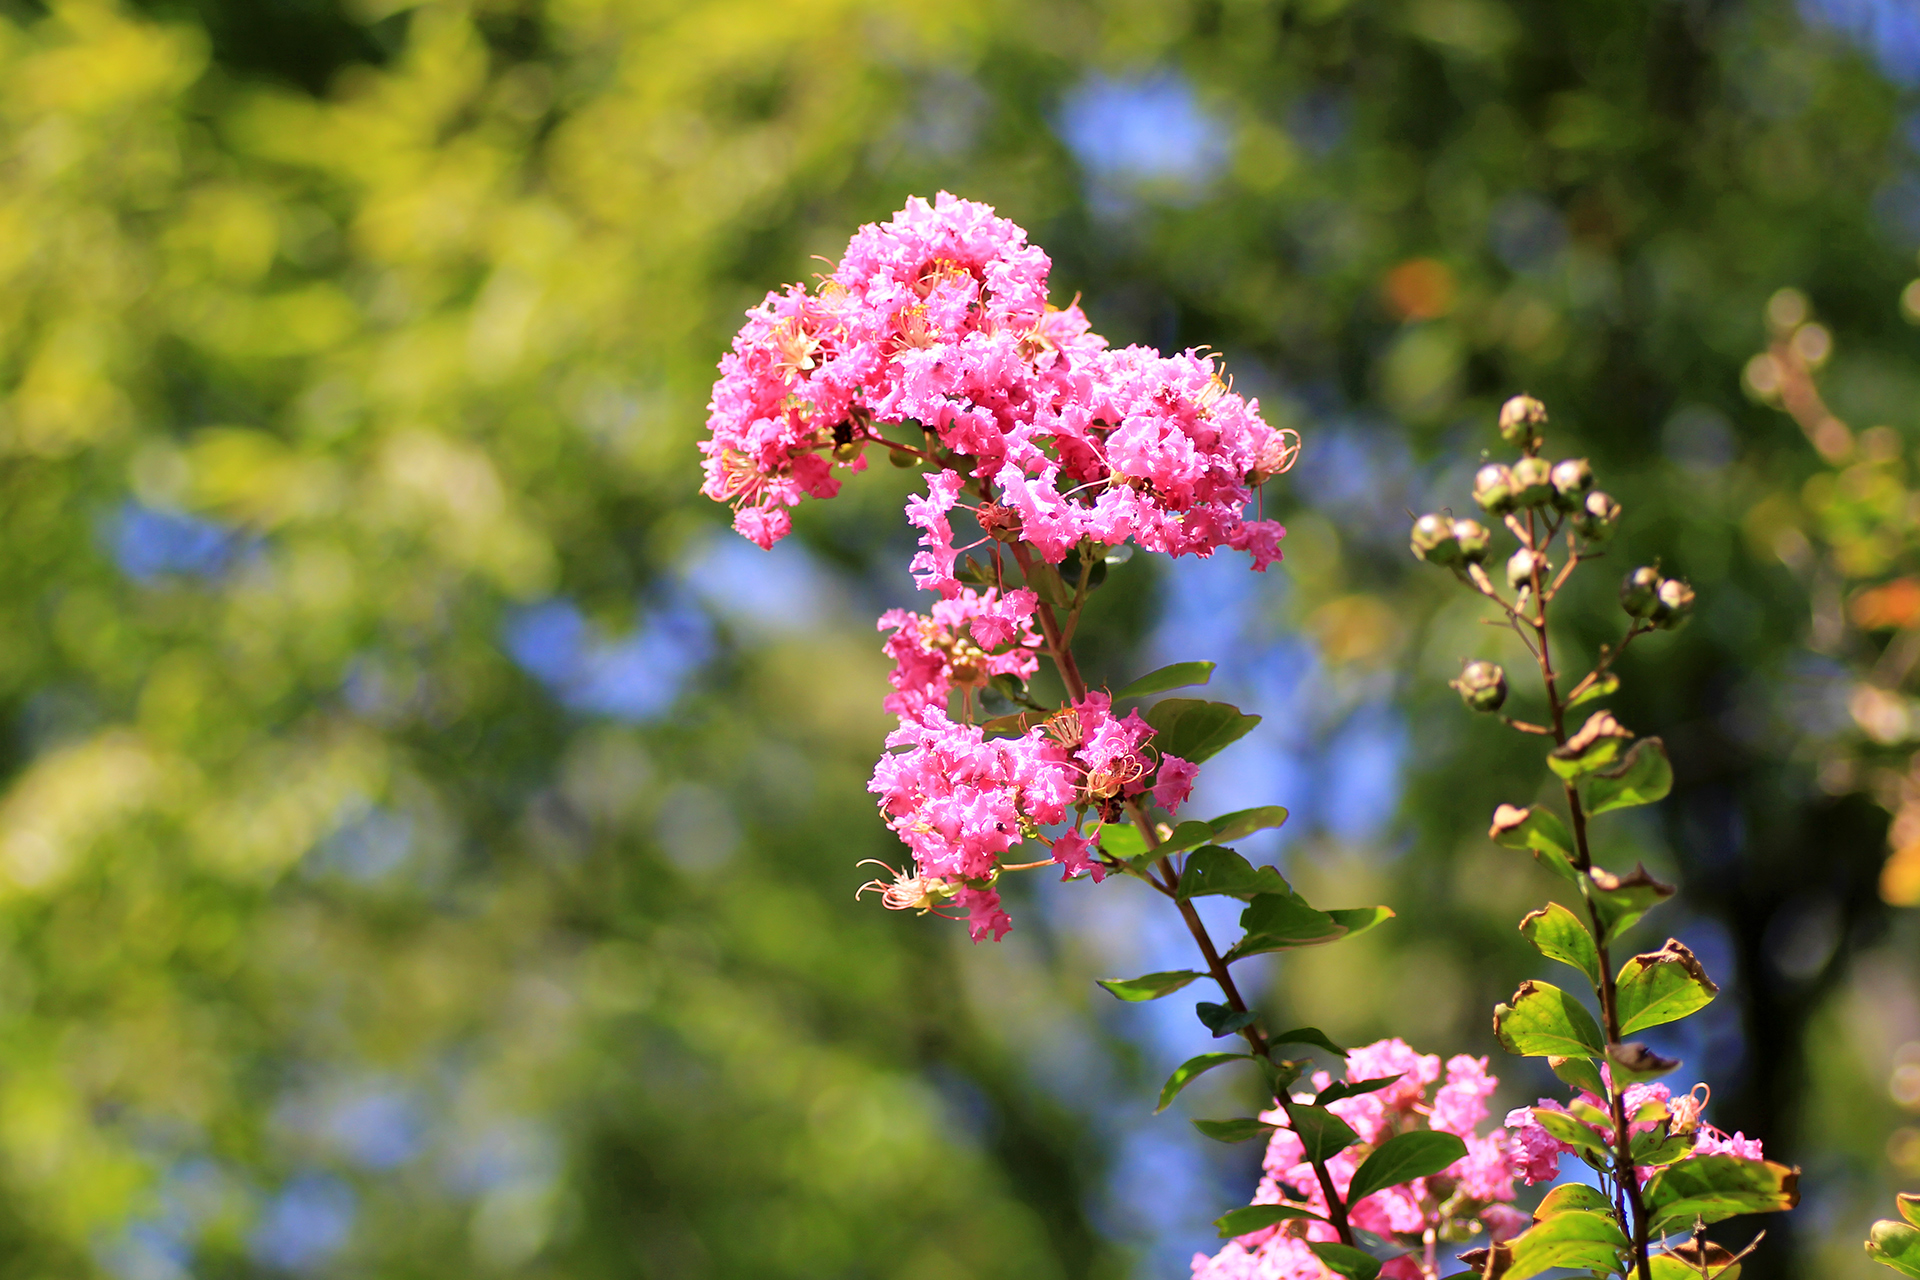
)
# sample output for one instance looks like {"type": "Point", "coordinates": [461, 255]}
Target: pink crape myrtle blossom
{"type": "Point", "coordinates": [1649, 1108]}
{"type": "Point", "coordinates": [960, 800]}
{"type": "Point", "coordinates": [1470, 1195]}
{"type": "Point", "coordinates": [939, 319]}
{"type": "Point", "coordinates": [961, 644]}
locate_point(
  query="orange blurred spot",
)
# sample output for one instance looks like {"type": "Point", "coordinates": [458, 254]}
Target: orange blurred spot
{"type": "Point", "coordinates": [1894, 605]}
{"type": "Point", "coordinates": [1900, 878]}
{"type": "Point", "coordinates": [1420, 289]}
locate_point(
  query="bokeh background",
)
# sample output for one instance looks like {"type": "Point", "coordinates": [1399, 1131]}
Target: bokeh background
{"type": "Point", "coordinates": [428, 837]}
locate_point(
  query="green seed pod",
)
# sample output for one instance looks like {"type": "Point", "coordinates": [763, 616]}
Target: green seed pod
{"type": "Point", "coordinates": [1532, 482]}
{"type": "Point", "coordinates": [1571, 480]}
{"type": "Point", "coordinates": [1640, 592]}
{"type": "Point", "coordinates": [1596, 517]}
{"type": "Point", "coordinates": [1520, 421]}
{"type": "Point", "coordinates": [848, 451]}
{"type": "Point", "coordinates": [1482, 686]}
{"type": "Point", "coordinates": [1473, 539]}
{"type": "Point", "coordinates": [1520, 567]}
{"type": "Point", "coordinates": [1493, 489]}
{"type": "Point", "coordinates": [1434, 540]}
{"type": "Point", "coordinates": [1673, 604]}
{"type": "Point", "coordinates": [905, 461]}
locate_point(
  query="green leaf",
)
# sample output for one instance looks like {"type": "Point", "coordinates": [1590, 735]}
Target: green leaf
{"type": "Point", "coordinates": [1150, 987]}
{"type": "Point", "coordinates": [1308, 1035]}
{"type": "Point", "coordinates": [1909, 1207]}
{"type": "Point", "coordinates": [1351, 1089]}
{"type": "Point", "coordinates": [1183, 837]}
{"type": "Point", "coordinates": [1605, 686]}
{"type": "Point", "coordinates": [1215, 869]}
{"type": "Point", "coordinates": [1569, 1196]}
{"type": "Point", "coordinates": [1402, 1158]}
{"type": "Point", "coordinates": [1642, 778]}
{"type": "Point", "coordinates": [1322, 1133]}
{"type": "Point", "coordinates": [1177, 676]}
{"type": "Point", "coordinates": [1345, 1260]}
{"type": "Point", "coordinates": [1237, 1130]}
{"type": "Point", "coordinates": [1651, 1150]}
{"type": "Point", "coordinates": [1282, 922]}
{"type": "Point", "coordinates": [1895, 1244]}
{"type": "Point", "coordinates": [1244, 822]}
{"type": "Point", "coordinates": [1357, 920]}
{"type": "Point", "coordinates": [1196, 730]}
{"type": "Point", "coordinates": [1122, 840]}
{"type": "Point", "coordinates": [1257, 1217]}
{"type": "Point", "coordinates": [1622, 900]}
{"type": "Point", "coordinates": [1570, 1130]}
{"type": "Point", "coordinates": [1192, 1069]}
{"type": "Point", "coordinates": [1580, 1073]}
{"type": "Point", "coordinates": [1545, 1021]}
{"type": "Point", "coordinates": [1711, 1188]}
{"type": "Point", "coordinates": [1596, 745]}
{"type": "Point", "coordinates": [1224, 1019]}
{"type": "Point", "coordinates": [1539, 830]}
{"type": "Point", "coordinates": [1558, 934]}
{"type": "Point", "coordinates": [1660, 987]}
{"type": "Point", "coordinates": [1576, 1238]}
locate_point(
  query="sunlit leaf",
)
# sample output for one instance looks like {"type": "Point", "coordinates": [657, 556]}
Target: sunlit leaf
{"type": "Point", "coordinates": [1195, 730]}
{"type": "Point", "coordinates": [1642, 778]}
{"type": "Point", "coordinates": [1404, 1157]}
{"type": "Point", "coordinates": [1558, 934]}
{"type": "Point", "coordinates": [1150, 987]}
{"type": "Point", "coordinates": [1238, 1130]}
{"type": "Point", "coordinates": [1175, 676]}
{"type": "Point", "coordinates": [1229, 827]}
{"type": "Point", "coordinates": [1257, 1217]}
{"type": "Point", "coordinates": [1661, 986]}
{"type": "Point", "coordinates": [1344, 1260]}
{"type": "Point", "coordinates": [1543, 1020]}
{"type": "Point", "coordinates": [1217, 870]}
{"type": "Point", "coordinates": [1595, 745]}
{"type": "Point", "coordinates": [1192, 1069]}
{"type": "Point", "coordinates": [1539, 830]}
{"type": "Point", "coordinates": [1622, 900]}
{"type": "Point", "coordinates": [1711, 1188]}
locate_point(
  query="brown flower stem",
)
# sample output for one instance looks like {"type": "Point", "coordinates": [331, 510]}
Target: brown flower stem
{"type": "Point", "coordinates": [1626, 1180]}
{"type": "Point", "coordinates": [1060, 650]}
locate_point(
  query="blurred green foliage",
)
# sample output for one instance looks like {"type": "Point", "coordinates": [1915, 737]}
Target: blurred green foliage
{"type": "Point", "coordinates": [348, 350]}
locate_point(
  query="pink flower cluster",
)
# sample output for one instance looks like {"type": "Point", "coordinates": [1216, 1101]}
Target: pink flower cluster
{"type": "Point", "coordinates": [965, 642]}
{"type": "Point", "coordinates": [940, 319]}
{"type": "Point", "coordinates": [1648, 1107]}
{"type": "Point", "coordinates": [960, 799]}
{"type": "Point", "coordinates": [1478, 1188]}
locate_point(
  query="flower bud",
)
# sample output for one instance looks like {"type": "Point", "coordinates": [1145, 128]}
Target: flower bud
{"type": "Point", "coordinates": [1434, 540]}
{"type": "Point", "coordinates": [1596, 517]}
{"type": "Point", "coordinates": [1482, 686]}
{"type": "Point", "coordinates": [1532, 481]}
{"type": "Point", "coordinates": [1571, 480]}
{"type": "Point", "coordinates": [1493, 488]}
{"type": "Point", "coordinates": [1520, 421]}
{"type": "Point", "coordinates": [848, 451]}
{"type": "Point", "coordinates": [1673, 604]}
{"type": "Point", "coordinates": [1473, 539]}
{"type": "Point", "coordinates": [1521, 566]}
{"type": "Point", "coordinates": [1640, 592]}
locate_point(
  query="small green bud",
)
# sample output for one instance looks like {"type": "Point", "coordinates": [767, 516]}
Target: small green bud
{"type": "Point", "coordinates": [1473, 539]}
{"type": "Point", "coordinates": [1596, 517]}
{"type": "Point", "coordinates": [1434, 540]}
{"type": "Point", "coordinates": [1521, 565]}
{"type": "Point", "coordinates": [848, 450]}
{"type": "Point", "coordinates": [1571, 480]}
{"type": "Point", "coordinates": [905, 461]}
{"type": "Point", "coordinates": [1532, 481]}
{"type": "Point", "coordinates": [1640, 592]}
{"type": "Point", "coordinates": [1520, 421]}
{"type": "Point", "coordinates": [1673, 604]}
{"type": "Point", "coordinates": [1493, 488]}
{"type": "Point", "coordinates": [1482, 686]}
